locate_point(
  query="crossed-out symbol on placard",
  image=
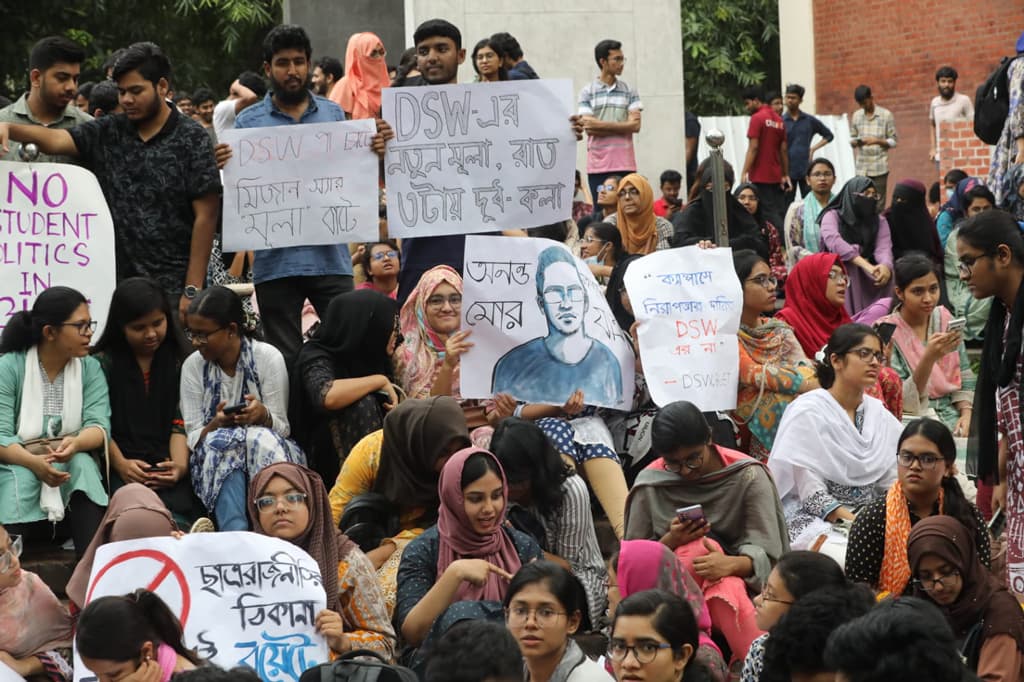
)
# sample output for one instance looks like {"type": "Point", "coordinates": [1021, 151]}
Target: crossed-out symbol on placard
{"type": "Point", "coordinates": [166, 567]}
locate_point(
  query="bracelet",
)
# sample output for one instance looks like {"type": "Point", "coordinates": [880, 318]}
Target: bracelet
{"type": "Point", "coordinates": [518, 412]}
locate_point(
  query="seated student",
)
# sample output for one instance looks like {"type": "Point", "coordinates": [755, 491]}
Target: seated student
{"type": "Point", "coordinates": [132, 637]}
{"type": "Point", "coordinates": [926, 486]}
{"type": "Point", "coordinates": [1013, 199]}
{"type": "Point", "coordinates": [695, 223]}
{"type": "Point", "coordinates": [231, 369]}
{"type": "Point", "coordinates": [795, 650]}
{"type": "Point", "coordinates": [601, 248]}
{"type": "Point", "coordinates": [931, 360]}
{"type": "Point", "coordinates": [341, 384]}
{"type": "Point", "coordinates": [747, 195]}
{"type": "Point", "coordinates": [459, 569]}
{"type": "Point", "coordinates": [653, 637]}
{"type": "Point", "coordinates": [773, 367]}
{"type": "Point", "coordinates": [984, 615]}
{"type": "Point", "coordinates": [833, 451]}
{"type": "Point", "coordinates": [886, 644]}
{"type": "Point", "coordinates": [545, 605]}
{"type": "Point", "coordinates": [34, 625]}
{"type": "Point", "coordinates": [910, 224]}
{"type": "Point", "coordinates": [135, 512]}
{"type": "Point", "coordinates": [289, 501]}
{"type": "Point", "coordinates": [802, 232]}
{"type": "Point", "coordinates": [670, 183]}
{"type": "Point", "coordinates": [141, 351]}
{"type": "Point", "coordinates": [475, 650]}
{"type": "Point", "coordinates": [641, 565]}
{"type": "Point", "coordinates": [976, 200]}
{"type": "Point", "coordinates": [642, 230]}
{"type": "Point", "coordinates": [740, 508]}
{"type": "Point", "coordinates": [547, 490]}
{"type": "Point", "coordinates": [797, 575]}
{"type": "Point", "coordinates": [954, 211]}
{"type": "Point", "coordinates": [50, 388]}
{"type": "Point", "coordinates": [381, 262]}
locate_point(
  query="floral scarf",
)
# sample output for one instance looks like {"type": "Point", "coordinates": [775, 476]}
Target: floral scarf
{"type": "Point", "coordinates": [420, 356]}
{"type": "Point", "coordinates": [212, 380]}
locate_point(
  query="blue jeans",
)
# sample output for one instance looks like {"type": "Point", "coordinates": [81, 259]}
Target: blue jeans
{"type": "Point", "coordinates": [230, 507]}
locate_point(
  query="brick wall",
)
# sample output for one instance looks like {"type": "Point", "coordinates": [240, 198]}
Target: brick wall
{"type": "Point", "coordinates": [895, 46]}
{"type": "Point", "coordinates": [960, 148]}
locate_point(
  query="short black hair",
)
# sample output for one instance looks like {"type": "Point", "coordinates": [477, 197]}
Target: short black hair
{"type": "Point", "coordinates": [203, 95]}
{"type": "Point", "coordinates": [84, 89]}
{"type": "Point", "coordinates": [181, 97]}
{"type": "Point", "coordinates": [286, 37]}
{"type": "Point", "coordinates": [604, 48]}
{"type": "Point", "coordinates": [474, 650]}
{"type": "Point", "coordinates": [753, 92]}
{"type": "Point", "coordinates": [254, 82]}
{"type": "Point", "coordinates": [670, 176]}
{"type": "Point", "coordinates": [946, 72]}
{"type": "Point", "coordinates": [954, 176]}
{"type": "Point", "coordinates": [794, 89]}
{"type": "Point", "coordinates": [862, 93]}
{"type": "Point", "coordinates": [103, 96]}
{"type": "Point", "coordinates": [509, 45]}
{"type": "Point", "coordinates": [331, 66]}
{"type": "Point", "coordinates": [146, 58]}
{"type": "Point", "coordinates": [935, 193]}
{"type": "Point", "coordinates": [433, 28]}
{"type": "Point", "coordinates": [772, 95]}
{"type": "Point", "coordinates": [55, 49]}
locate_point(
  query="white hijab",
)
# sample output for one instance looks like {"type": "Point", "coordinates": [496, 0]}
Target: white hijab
{"type": "Point", "coordinates": [816, 434]}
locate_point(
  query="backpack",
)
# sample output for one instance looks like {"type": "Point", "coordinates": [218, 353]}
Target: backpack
{"type": "Point", "coordinates": [346, 669]}
{"type": "Point", "coordinates": [369, 519]}
{"type": "Point", "coordinates": [992, 104]}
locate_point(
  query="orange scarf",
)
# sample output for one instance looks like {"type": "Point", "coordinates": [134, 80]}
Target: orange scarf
{"type": "Point", "coordinates": [358, 93]}
{"type": "Point", "coordinates": [639, 231]}
{"type": "Point", "coordinates": [895, 573]}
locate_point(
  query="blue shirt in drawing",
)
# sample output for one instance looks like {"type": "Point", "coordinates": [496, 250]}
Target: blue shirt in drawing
{"type": "Point", "coordinates": [531, 373]}
{"type": "Point", "coordinates": [296, 261]}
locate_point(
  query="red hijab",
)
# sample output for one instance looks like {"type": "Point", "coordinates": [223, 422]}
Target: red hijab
{"type": "Point", "coordinates": [812, 317]}
{"type": "Point", "coordinates": [458, 540]}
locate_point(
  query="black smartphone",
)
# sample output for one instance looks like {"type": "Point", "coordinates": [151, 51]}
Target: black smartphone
{"type": "Point", "coordinates": [235, 409]}
{"type": "Point", "coordinates": [155, 467]}
{"type": "Point", "coordinates": [997, 524]}
{"type": "Point", "coordinates": [885, 331]}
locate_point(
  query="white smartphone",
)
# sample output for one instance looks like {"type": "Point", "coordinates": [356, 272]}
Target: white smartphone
{"type": "Point", "coordinates": [957, 324]}
{"type": "Point", "coordinates": [693, 513]}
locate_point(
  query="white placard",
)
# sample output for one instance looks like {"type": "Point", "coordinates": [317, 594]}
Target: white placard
{"type": "Point", "coordinates": [540, 345]}
{"type": "Point", "coordinates": [243, 598]}
{"type": "Point", "coordinates": [55, 229]}
{"type": "Point", "coordinates": [479, 157]}
{"type": "Point", "coordinates": [300, 185]}
{"type": "Point", "coordinates": [688, 302]}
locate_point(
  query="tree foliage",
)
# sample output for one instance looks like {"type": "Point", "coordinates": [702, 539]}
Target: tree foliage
{"type": "Point", "coordinates": [208, 41]}
{"type": "Point", "coordinates": [727, 46]}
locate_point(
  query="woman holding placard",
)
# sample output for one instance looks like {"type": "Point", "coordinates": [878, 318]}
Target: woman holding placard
{"type": "Point", "coordinates": [54, 410]}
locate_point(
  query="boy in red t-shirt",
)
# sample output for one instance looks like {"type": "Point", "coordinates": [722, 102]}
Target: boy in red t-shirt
{"type": "Point", "coordinates": [669, 203]}
{"type": "Point", "coordinates": [767, 161]}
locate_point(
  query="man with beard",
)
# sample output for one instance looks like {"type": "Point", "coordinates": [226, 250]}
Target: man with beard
{"type": "Point", "coordinates": [948, 105]}
{"type": "Point", "coordinates": [54, 64]}
{"type": "Point", "coordinates": [157, 171]}
{"type": "Point", "coordinates": [327, 72]}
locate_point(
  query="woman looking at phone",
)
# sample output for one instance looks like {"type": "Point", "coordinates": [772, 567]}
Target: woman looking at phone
{"type": "Point", "coordinates": [928, 348]}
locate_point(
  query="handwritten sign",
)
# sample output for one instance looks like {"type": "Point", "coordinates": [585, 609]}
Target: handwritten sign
{"type": "Point", "coordinates": [541, 326]}
{"type": "Point", "coordinates": [479, 157]}
{"type": "Point", "coordinates": [55, 229]}
{"type": "Point", "coordinates": [688, 302]}
{"type": "Point", "coordinates": [243, 599]}
{"type": "Point", "coordinates": [300, 185]}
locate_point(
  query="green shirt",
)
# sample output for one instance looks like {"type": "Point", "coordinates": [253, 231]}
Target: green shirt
{"type": "Point", "coordinates": [18, 112]}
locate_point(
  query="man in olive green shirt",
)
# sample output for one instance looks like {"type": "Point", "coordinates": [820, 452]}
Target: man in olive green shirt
{"type": "Point", "coordinates": [55, 63]}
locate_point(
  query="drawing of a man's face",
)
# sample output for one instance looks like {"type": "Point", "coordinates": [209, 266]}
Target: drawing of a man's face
{"type": "Point", "coordinates": [563, 297]}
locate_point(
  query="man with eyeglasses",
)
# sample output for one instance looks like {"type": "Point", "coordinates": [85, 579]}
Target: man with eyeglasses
{"type": "Point", "coordinates": [566, 360]}
{"type": "Point", "coordinates": [801, 128]}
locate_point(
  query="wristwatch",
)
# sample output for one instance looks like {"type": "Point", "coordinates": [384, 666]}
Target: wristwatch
{"type": "Point", "coordinates": [190, 291]}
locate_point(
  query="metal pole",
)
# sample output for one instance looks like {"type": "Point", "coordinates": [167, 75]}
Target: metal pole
{"type": "Point", "coordinates": [715, 139]}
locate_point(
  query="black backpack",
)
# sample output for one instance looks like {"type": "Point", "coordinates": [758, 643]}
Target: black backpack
{"type": "Point", "coordinates": [992, 104]}
{"type": "Point", "coordinates": [368, 519]}
{"type": "Point", "coordinates": [346, 669]}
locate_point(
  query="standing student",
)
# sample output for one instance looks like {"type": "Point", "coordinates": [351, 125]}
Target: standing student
{"type": "Point", "coordinates": [872, 134]}
{"type": "Point", "coordinates": [801, 128]}
{"type": "Point", "coordinates": [948, 105]}
{"type": "Point", "coordinates": [767, 161]}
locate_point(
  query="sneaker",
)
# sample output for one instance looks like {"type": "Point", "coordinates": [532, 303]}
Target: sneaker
{"type": "Point", "coordinates": [202, 525]}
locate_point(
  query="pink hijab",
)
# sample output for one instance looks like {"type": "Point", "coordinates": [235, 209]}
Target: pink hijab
{"type": "Point", "coordinates": [420, 356]}
{"type": "Point", "coordinates": [358, 92]}
{"type": "Point", "coordinates": [458, 540]}
{"type": "Point", "coordinates": [647, 565]}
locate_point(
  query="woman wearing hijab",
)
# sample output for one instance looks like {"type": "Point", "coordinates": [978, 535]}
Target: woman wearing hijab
{"type": "Point", "coordinates": [748, 197]}
{"type": "Point", "coordinates": [852, 229]}
{"type": "Point", "coordinates": [954, 210]}
{"type": "Point", "coordinates": [289, 501]}
{"type": "Point", "coordinates": [985, 617]}
{"type": "Point", "coordinates": [366, 74]}
{"type": "Point", "coordinates": [342, 378]}
{"type": "Point", "coordinates": [615, 293]}
{"type": "Point", "coordinates": [910, 224]}
{"type": "Point", "coordinates": [642, 231]}
{"type": "Point", "coordinates": [695, 223]}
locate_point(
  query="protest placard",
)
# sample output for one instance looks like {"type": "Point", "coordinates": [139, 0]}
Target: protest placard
{"type": "Point", "coordinates": [541, 327]}
{"type": "Point", "coordinates": [688, 302]}
{"type": "Point", "coordinates": [300, 185]}
{"type": "Point", "coordinates": [243, 599]}
{"type": "Point", "coordinates": [479, 157]}
{"type": "Point", "coordinates": [55, 229]}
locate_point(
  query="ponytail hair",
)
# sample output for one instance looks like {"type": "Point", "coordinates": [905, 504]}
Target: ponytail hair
{"type": "Point", "coordinates": [843, 340]}
{"type": "Point", "coordinates": [223, 306]}
{"type": "Point", "coordinates": [116, 628]}
{"type": "Point", "coordinates": [52, 307]}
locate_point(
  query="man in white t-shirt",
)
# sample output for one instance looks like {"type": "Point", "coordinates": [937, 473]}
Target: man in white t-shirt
{"type": "Point", "coordinates": [247, 89]}
{"type": "Point", "coordinates": [948, 105]}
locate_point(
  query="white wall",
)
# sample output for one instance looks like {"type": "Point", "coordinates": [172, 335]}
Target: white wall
{"type": "Point", "coordinates": [558, 40]}
{"type": "Point", "coordinates": [796, 45]}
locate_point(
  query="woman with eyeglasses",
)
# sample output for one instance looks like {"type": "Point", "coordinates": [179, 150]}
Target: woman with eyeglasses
{"type": "Point", "coordinates": [545, 606]}
{"type": "Point", "coordinates": [802, 234]}
{"type": "Point", "coordinates": [341, 384]}
{"type": "Point", "coordinates": [977, 199]}
{"type": "Point", "coordinates": [606, 201]}
{"type": "Point", "coordinates": [382, 261]}
{"type": "Point", "coordinates": [642, 231]}
{"type": "Point", "coordinates": [601, 248]}
{"type": "Point", "coordinates": [852, 229]}
{"type": "Point", "coordinates": [833, 452]}
{"type": "Point", "coordinates": [653, 638]}
{"type": "Point", "coordinates": [986, 618]}
{"type": "Point", "coordinates": [289, 502]}
{"type": "Point", "coordinates": [748, 197]}
{"type": "Point", "coordinates": [733, 540]}
{"type": "Point", "coordinates": [34, 624]}
{"type": "Point", "coordinates": [54, 411]}
{"type": "Point", "coordinates": [926, 487]}
{"type": "Point", "coordinates": [929, 357]}
{"type": "Point", "coordinates": [234, 400]}
{"type": "Point", "coordinates": [489, 62]}
{"type": "Point", "coordinates": [358, 93]}
{"type": "Point", "coordinates": [773, 367]}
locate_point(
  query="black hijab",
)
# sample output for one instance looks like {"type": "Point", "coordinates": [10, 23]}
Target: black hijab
{"type": "Point", "coordinates": [858, 216]}
{"type": "Point", "coordinates": [354, 335]}
{"type": "Point", "coordinates": [611, 292]}
{"type": "Point", "coordinates": [910, 223]}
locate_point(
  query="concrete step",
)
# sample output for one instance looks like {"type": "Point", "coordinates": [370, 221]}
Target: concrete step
{"type": "Point", "coordinates": [51, 563]}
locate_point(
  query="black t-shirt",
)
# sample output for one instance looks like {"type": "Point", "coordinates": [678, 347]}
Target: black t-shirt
{"type": "Point", "coordinates": [692, 130]}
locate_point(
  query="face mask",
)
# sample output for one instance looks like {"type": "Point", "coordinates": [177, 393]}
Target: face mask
{"type": "Point", "coordinates": [949, 193]}
{"type": "Point", "coordinates": [593, 260]}
{"type": "Point", "coordinates": [865, 207]}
